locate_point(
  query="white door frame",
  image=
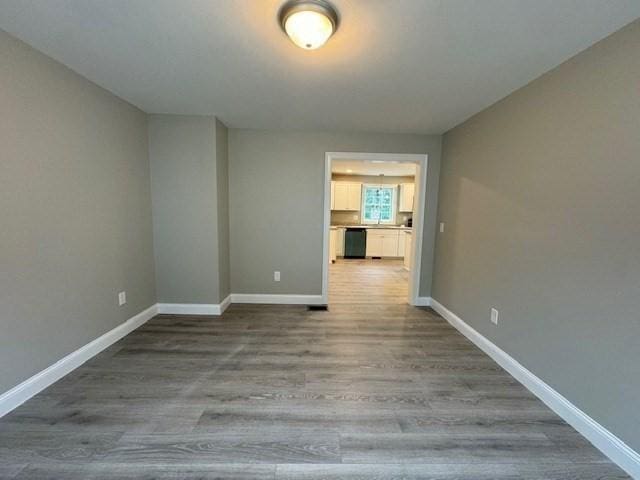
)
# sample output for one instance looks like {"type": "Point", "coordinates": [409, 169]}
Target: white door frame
{"type": "Point", "coordinates": [421, 162]}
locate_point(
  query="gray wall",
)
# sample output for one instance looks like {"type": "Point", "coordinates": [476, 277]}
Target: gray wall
{"type": "Point", "coordinates": [75, 212]}
{"type": "Point", "coordinates": [540, 195]}
{"type": "Point", "coordinates": [271, 172]}
{"type": "Point", "coordinates": [185, 192]}
{"type": "Point", "coordinates": [222, 177]}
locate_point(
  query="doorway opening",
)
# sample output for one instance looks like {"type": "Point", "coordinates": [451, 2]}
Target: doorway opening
{"type": "Point", "coordinates": [373, 227]}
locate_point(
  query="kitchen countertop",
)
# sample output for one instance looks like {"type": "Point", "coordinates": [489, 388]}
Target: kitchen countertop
{"type": "Point", "coordinates": [386, 227]}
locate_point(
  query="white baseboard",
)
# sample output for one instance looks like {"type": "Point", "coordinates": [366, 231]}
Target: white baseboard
{"type": "Point", "coordinates": [614, 448]}
{"type": "Point", "coordinates": [225, 304]}
{"type": "Point", "coordinates": [27, 389]}
{"type": "Point", "coordinates": [277, 299]}
{"type": "Point", "coordinates": [195, 308]}
{"type": "Point", "coordinates": [219, 308]}
{"type": "Point", "coordinates": [423, 302]}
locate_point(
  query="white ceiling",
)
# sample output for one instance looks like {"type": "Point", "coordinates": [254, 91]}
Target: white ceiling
{"type": "Point", "coordinates": [359, 167]}
{"type": "Point", "coordinates": [419, 66]}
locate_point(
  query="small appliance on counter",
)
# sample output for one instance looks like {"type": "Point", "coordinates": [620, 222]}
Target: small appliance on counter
{"type": "Point", "coordinates": [410, 222]}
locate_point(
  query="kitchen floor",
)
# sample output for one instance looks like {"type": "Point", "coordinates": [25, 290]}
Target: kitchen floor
{"type": "Point", "coordinates": [365, 281]}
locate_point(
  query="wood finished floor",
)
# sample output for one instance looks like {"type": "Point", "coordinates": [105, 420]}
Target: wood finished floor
{"type": "Point", "coordinates": [365, 281]}
{"type": "Point", "coordinates": [368, 390]}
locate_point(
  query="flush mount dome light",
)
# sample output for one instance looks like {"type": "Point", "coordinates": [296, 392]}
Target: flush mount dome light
{"type": "Point", "coordinates": [309, 23]}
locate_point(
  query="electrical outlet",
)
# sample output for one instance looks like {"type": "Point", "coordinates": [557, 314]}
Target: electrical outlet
{"type": "Point", "coordinates": [122, 298]}
{"type": "Point", "coordinates": [494, 316]}
{"type": "Point", "coordinates": [276, 276]}
{"type": "Point", "coordinates": [441, 227]}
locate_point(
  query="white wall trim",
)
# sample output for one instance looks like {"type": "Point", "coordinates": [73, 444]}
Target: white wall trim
{"type": "Point", "coordinates": [421, 161]}
{"type": "Point", "coordinates": [225, 304]}
{"type": "Point", "coordinates": [423, 302]}
{"type": "Point", "coordinates": [195, 308]}
{"type": "Point", "coordinates": [219, 308]}
{"type": "Point", "coordinates": [614, 448]}
{"type": "Point", "coordinates": [35, 384]}
{"type": "Point", "coordinates": [277, 299]}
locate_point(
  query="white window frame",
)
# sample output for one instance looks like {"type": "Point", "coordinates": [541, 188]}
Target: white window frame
{"type": "Point", "coordinates": [394, 204]}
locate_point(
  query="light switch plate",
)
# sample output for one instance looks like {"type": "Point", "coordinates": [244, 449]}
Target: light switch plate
{"type": "Point", "coordinates": [276, 276]}
{"type": "Point", "coordinates": [441, 227]}
{"type": "Point", "coordinates": [122, 298]}
{"type": "Point", "coordinates": [494, 316]}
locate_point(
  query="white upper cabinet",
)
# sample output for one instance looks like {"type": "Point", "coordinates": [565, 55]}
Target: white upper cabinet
{"type": "Point", "coordinates": [406, 197]}
{"type": "Point", "coordinates": [354, 197]}
{"type": "Point", "coordinates": [340, 194]}
{"type": "Point", "coordinates": [346, 196]}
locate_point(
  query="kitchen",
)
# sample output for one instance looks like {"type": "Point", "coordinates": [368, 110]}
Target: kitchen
{"type": "Point", "coordinates": [371, 234]}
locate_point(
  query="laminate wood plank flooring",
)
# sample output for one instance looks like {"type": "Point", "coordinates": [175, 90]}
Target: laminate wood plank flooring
{"type": "Point", "coordinates": [354, 281]}
{"type": "Point", "coordinates": [370, 389]}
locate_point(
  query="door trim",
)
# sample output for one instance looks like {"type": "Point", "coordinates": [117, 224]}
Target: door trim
{"type": "Point", "coordinates": [421, 160]}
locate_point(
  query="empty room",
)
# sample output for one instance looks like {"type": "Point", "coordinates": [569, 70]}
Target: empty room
{"type": "Point", "coordinates": [320, 239]}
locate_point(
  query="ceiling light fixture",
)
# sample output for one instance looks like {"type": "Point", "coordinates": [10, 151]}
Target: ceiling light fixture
{"type": "Point", "coordinates": [309, 23]}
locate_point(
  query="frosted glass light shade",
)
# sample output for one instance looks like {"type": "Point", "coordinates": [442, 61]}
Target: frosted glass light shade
{"type": "Point", "coordinates": [308, 29]}
{"type": "Point", "coordinates": [308, 23]}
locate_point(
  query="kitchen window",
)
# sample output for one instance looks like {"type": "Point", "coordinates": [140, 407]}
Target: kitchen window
{"type": "Point", "coordinates": [379, 204]}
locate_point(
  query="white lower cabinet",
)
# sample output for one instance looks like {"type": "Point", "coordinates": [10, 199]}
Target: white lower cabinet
{"type": "Point", "coordinates": [390, 245]}
{"type": "Point", "coordinates": [333, 234]}
{"type": "Point", "coordinates": [408, 237]}
{"type": "Point", "coordinates": [374, 245]}
{"type": "Point", "coordinates": [382, 242]}
{"type": "Point", "coordinates": [340, 242]}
